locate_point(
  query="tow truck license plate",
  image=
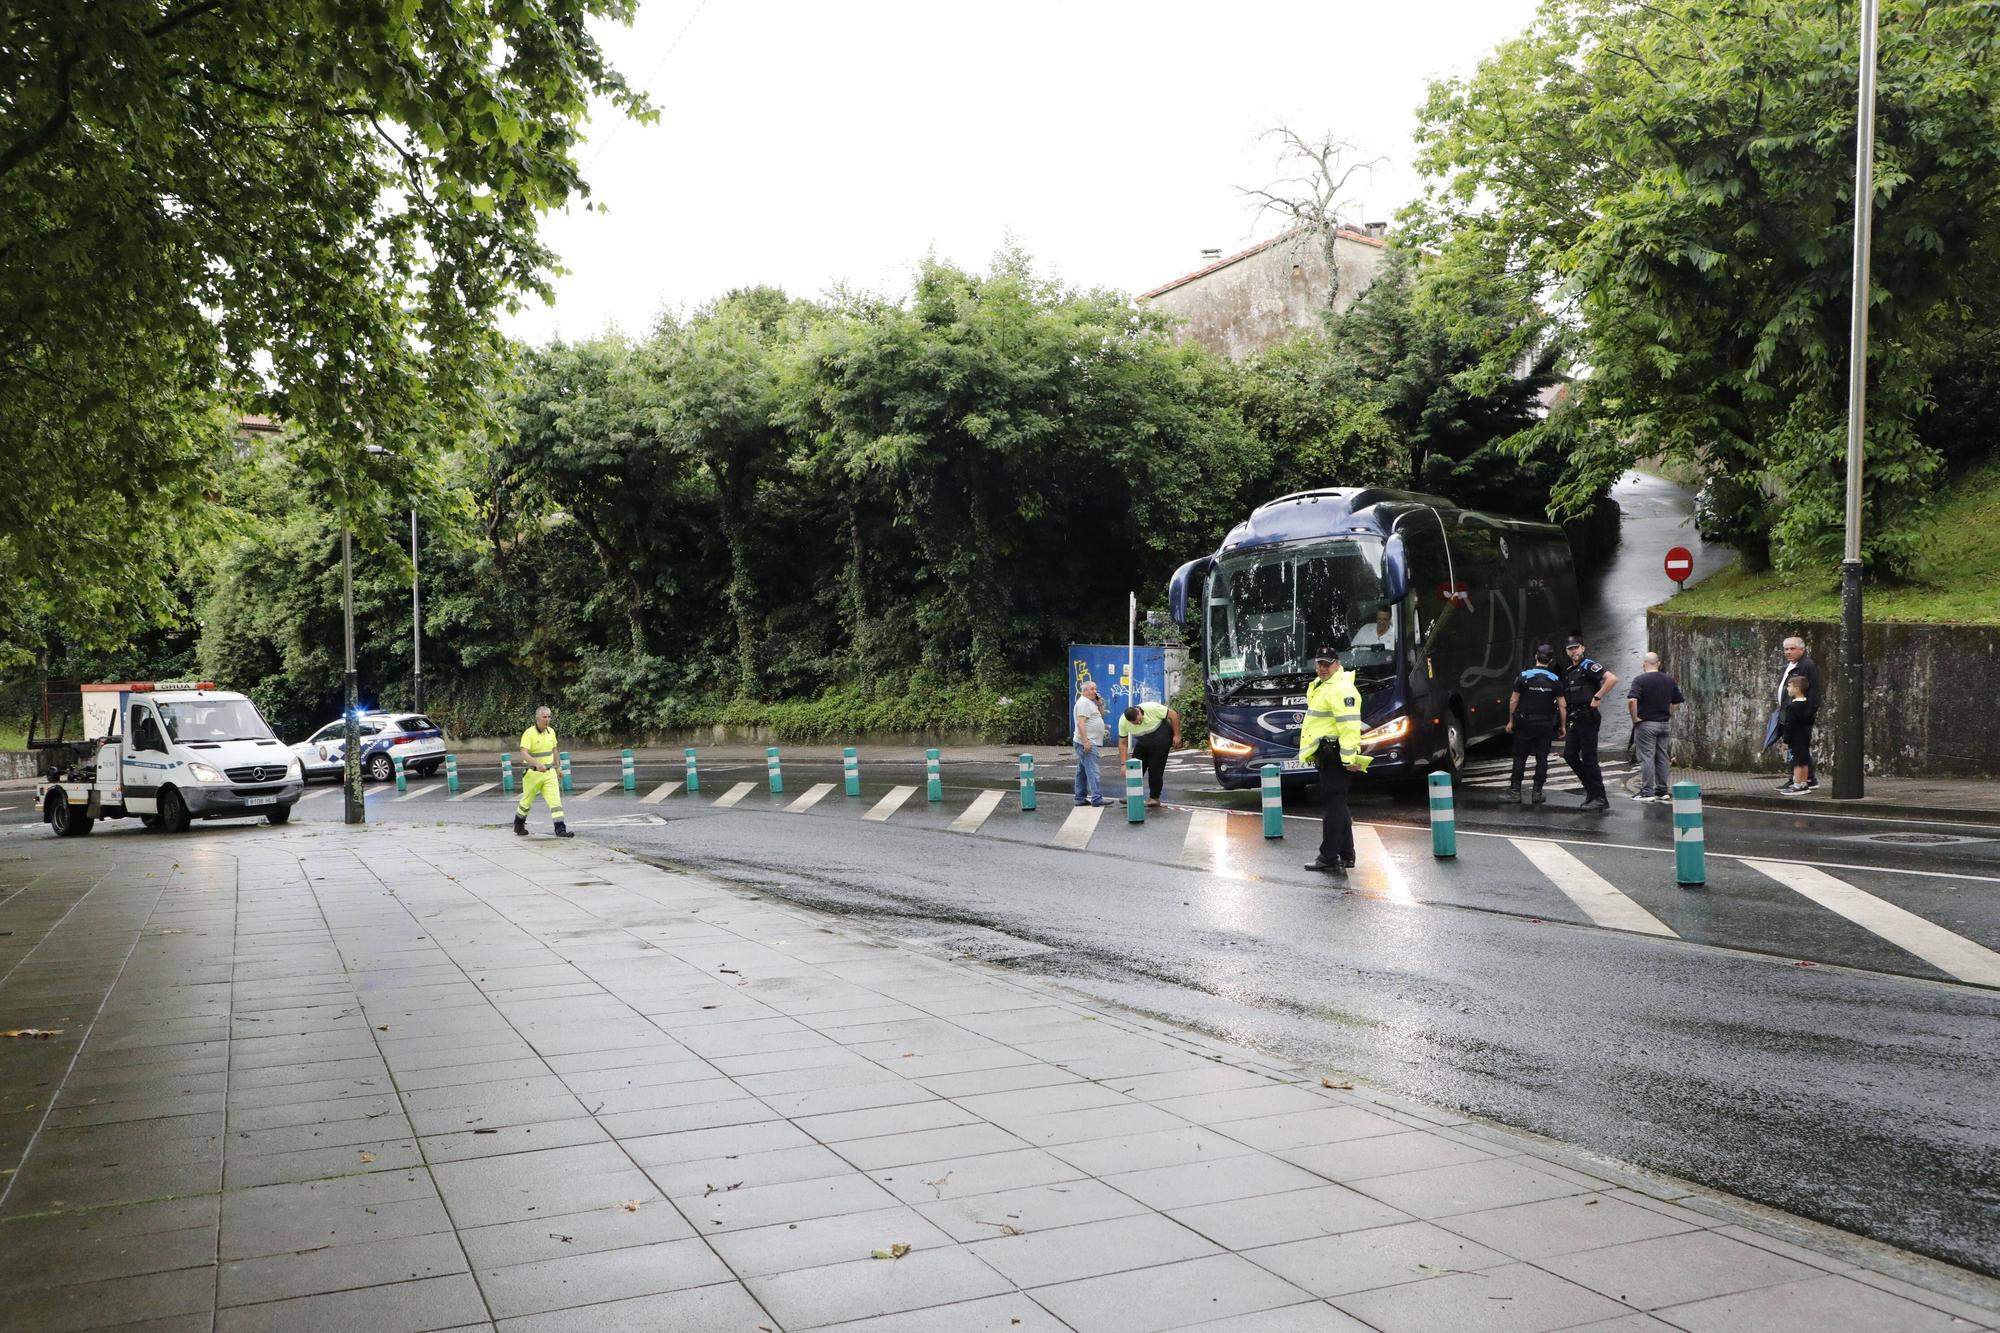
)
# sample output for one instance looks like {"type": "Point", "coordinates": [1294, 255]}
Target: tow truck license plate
{"type": "Point", "coordinates": [260, 800]}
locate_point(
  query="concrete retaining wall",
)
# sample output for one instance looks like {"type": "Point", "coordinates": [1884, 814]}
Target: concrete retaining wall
{"type": "Point", "coordinates": [1927, 696]}
{"type": "Point", "coordinates": [15, 764]}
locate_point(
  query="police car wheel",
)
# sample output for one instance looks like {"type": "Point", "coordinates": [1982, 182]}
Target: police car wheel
{"type": "Point", "coordinates": [381, 767]}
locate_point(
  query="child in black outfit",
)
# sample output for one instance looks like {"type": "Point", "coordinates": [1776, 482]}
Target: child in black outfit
{"type": "Point", "coordinates": [1796, 726]}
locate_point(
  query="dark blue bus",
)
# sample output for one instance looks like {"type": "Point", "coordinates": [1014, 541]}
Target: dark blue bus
{"type": "Point", "coordinates": [1444, 607]}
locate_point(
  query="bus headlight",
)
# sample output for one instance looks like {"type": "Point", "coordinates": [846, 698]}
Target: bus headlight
{"type": "Point", "coordinates": [1224, 748]}
{"type": "Point", "coordinates": [1395, 729]}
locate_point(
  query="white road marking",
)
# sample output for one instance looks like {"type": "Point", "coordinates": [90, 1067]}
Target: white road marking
{"type": "Point", "coordinates": [735, 794]}
{"type": "Point", "coordinates": [1598, 897]}
{"type": "Point", "coordinates": [315, 795]}
{"type": "Point", "coordinates": [814, 795]}
{"type": "Point", "coordinates": [1951, 954]}
{"type": "Point", "coordinates": [1374, 872]}
{"type": "Point", "coordinates": [1076, 830]}
{"type": "Point", "coordinates": [414, 792]}
{"type": "Point", "coordinates": [976, 813]}
{"type": "Point", "coordinates": [1206, 846]}
{"type": "Point", "coordinates": [661, 792]}
{"type": "Point", "coordinates": [598, 790]}
{"type": "Point", "coordinates": [889, 804]}
{"type": "Point", "coordinates": [468, 795]}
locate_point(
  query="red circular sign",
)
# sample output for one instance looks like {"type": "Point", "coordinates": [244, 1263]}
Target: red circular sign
{"type": "Point", "coordinates": [1680, 563]}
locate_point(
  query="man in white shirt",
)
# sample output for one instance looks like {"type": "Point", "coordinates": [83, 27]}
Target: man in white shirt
{"type": "Point", "coordinates": [1379, 632]}
{"type": "Point", "coordinates": [1086, 734]}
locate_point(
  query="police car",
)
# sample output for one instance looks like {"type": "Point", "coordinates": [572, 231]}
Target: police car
{"type": "Point", "coordinates": [417, 740]}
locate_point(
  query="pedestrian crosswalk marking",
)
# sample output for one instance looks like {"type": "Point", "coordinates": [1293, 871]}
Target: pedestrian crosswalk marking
{"type": "Point", "coordinates": [1374, 872]}
{"type": "Point", "coordinates": [315, 795]}
{"type": "Point", "coordinates": [661, 792]}
{"type": "Point", "coordinates": [976, 813]}
{"type": "Point", "coordinates": [1206, 846]}
{"type": "Point", "coordinates": [735, 794]}
{"type": "Point", "coordinates": [468, 795]}
{"type": "Point", "coordinates": [1951, 954]}
{"type": "Point", "coordinates": [814, 794]}
{"type": "Point", "coordinates": [598, 790]}
{"type": "Point", "coordinates": [1599, 899]}
{"type": "Point", "coordinates": [1076, 830]}
{"type": "Point", "coordinates": [414, 792]}
{"type": "Point", "coordinates": [889, 804]}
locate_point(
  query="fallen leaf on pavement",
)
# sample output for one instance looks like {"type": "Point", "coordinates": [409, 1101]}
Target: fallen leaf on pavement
{"type": "Point", "coordinates": [367, 1157]}
{"type": "Point", "coordinates": [896, 1251]}
{"type": "Point", "coordinates": [42, 1033]}
{"type": "Point", "coordinates": [631, 1205]}
{"type": "Point", "coordinates": [1339, 1087]}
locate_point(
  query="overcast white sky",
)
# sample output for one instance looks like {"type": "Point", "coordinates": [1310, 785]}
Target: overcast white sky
{"type": "Point", "coordinates": [808, 144]}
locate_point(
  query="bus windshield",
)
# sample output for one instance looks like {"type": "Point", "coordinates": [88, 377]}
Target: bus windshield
{"type": "Point", "coordinates": [1271, 610]}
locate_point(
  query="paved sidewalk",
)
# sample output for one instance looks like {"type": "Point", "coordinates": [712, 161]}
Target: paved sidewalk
{"type": "Point", "coordinates": [430, 1078]}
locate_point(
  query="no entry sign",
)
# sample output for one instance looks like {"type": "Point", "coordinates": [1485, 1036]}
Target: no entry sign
{"type": "Point", "coordinates": [1680, 564]}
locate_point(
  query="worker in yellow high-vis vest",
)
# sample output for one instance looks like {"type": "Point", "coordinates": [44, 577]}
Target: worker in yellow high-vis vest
{"type": "Point", "coordinates": [1330, 740]}
{"type": "Point", "coordinates": [538, 751]}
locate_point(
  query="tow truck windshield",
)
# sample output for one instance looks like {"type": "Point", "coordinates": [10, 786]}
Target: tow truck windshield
{"type": "Point", "coordinates": [214, 720]}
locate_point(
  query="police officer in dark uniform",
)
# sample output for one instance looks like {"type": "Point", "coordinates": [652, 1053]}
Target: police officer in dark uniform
{"type": "Point", "coordinates": [1584, 686]}
{"type": "Point", "coordinates": [1534, 719]}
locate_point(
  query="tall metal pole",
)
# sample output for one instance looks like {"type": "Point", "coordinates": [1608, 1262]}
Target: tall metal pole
{"type": "Point", "coordinates": [416, 617]}
{"type": "Point", "coordinates": [357, 810]}
{"type": "Point", "coordinates": [1851, 734]}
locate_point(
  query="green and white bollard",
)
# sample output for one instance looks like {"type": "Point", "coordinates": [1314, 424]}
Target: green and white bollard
{"type": "Point", "coordinates": [1690, 848]}
{"type": "Point", "coordinates": [1135, 792]}
{"type": "Point", "coordinates": [631, 773]}
{"type": "Point", "coordinates": [1444, 818]}
{"type": "Point", "coordinates": [402, 777]}
{"type": "Point", "coordinates": [933, 781]}
{"type": "Point", "coordinates": [850, 765]}
{"type": "Point", "coordinates": [694, 774]}
{"type": "Point", "coordinates": [1027, 782]}
{"type": "Point", "coordinates": [568, 783]}
{"type": "Point", "coordinates": [451, 773]}
{"type": "Point", "coordinates": [1273, 792]}
{"type": "Point", "coordinates": [777, 774]}
{"type": "Point", "coordinates": [507, 774]}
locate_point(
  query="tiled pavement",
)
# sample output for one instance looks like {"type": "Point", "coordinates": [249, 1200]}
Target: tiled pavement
{"type": "Point", "coordinates": [424, 1078]}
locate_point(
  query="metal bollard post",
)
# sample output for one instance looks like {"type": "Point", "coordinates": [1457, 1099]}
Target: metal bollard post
{"type": "Point", "coordinates": [694, 774]}
{"type": "Point", "coordinates": [402, 778]}
{"type": "Point", "coordinates": [850, 764]}
{"type": "Point", "coordinates": [933, 782]}
{"type": "Point", "coordinates": [1273, 793]}
{"type": "Point", "coordinates": [1027, 782]}
{"type": "Point", "coordinates": [507, 774]}
{"type": "Point", "coordinates": [1444, 819]}
{"type": "Point", "coordinates": [631, 773]}
{"type": "Point", "coordinates": [568, 784]}
{"type": "Point", "coordinates": [451, 773]}
{"type": "Point", "coordinates": [771, 767]}
{"type": "Point", "coordinates": [1135, 792]}
{"type": "Point", "coordinates": [1690, 848]}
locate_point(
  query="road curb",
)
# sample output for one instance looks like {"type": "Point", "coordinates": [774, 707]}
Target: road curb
{"type": "Point", "coordinates": [1860, 809]}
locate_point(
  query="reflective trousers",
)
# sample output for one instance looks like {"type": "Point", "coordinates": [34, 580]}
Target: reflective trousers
{"type": "Point", "coordinates": [548, 786]}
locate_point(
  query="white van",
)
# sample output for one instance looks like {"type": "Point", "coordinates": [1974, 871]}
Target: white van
{"type": "Point", "coordinates": [168, 754]}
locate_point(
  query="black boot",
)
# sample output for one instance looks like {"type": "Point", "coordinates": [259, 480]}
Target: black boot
{"type": "Point", "coordinates": [562, 830]}
{"type": "Point", "coordinates": [521, 825]}
{"type": "Point", "coordinates": [1539, 798]}
{"type": "Point", "coordinates": [1512, 794]}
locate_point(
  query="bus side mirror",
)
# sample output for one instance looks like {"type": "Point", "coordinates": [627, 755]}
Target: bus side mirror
{"type": "Point", "coordinates": [1177, 587]}
{"type": "Point", "coordinates": [1395, 571]}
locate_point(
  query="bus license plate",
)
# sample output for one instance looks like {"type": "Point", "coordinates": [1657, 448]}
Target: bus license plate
{"type": "Point", "coordinates": [1299, 766]}
{"type": "Point", "coordinates": [260, 800]}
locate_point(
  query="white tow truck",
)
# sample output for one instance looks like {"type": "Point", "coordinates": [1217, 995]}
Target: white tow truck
{"type": "Point", "coordinates": [168, 753]}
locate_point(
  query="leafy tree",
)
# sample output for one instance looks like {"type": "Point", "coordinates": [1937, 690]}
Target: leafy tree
{"type": "Point", "coordinates": [1679, 175]}
{"type": "Point", "coordinates": [316, 207]}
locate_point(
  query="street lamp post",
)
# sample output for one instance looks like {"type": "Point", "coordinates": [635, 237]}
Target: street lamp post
{"type": "Point", "coordinates": [416, 618]}
{"type": "Point", "coordinates": [357, 810]}
{"type": "Point", "coordinates": [1852, 732]}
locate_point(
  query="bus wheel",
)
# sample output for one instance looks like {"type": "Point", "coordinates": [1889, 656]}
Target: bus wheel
{"type": "Point", "coordinates": [66, 819]}
{"type": "Point", "coordinates": [1454, 743]}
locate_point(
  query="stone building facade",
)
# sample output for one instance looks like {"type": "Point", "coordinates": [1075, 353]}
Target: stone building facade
{"type": "Point", "coordinates": [1242, 304]}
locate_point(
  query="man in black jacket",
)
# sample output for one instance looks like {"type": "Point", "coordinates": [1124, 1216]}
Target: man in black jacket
{"type": "Point", "coordinates": [1797, 662]}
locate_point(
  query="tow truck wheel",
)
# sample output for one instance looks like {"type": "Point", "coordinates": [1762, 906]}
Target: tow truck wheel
{"type": "Point", "coordinates": [278, 814]}
{"type": "Point", "coordinates": [381, 767]}
{"type": "Point", "coordinates": [66, 819]}
{"type": "Point", "coordinates": [173, 811]}
{"type": "Point", "coordinates": [150, 821]}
